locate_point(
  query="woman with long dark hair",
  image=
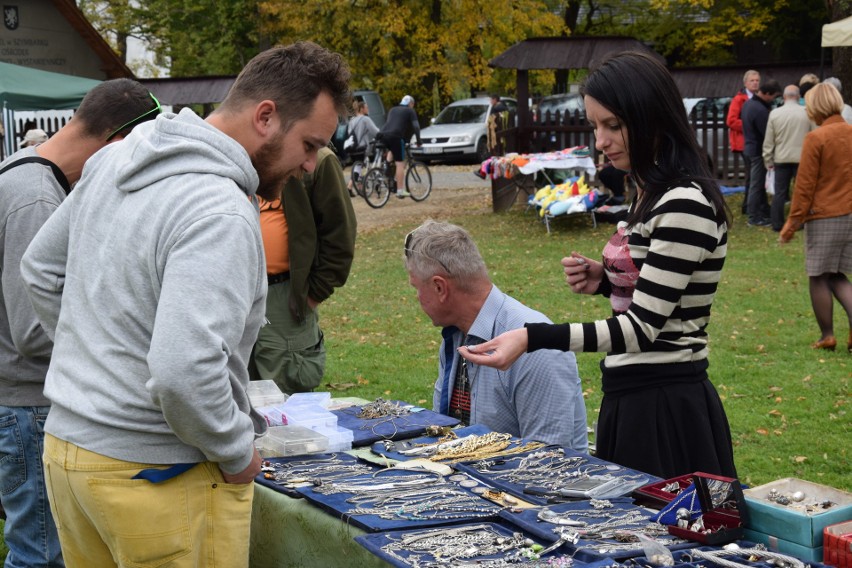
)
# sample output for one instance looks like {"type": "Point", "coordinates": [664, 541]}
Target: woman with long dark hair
{"type": "Point", "coordinates": [660, 413]}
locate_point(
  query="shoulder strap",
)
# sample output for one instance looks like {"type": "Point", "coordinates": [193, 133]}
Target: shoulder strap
{"type": "Point", "coordinates": [57, 173]}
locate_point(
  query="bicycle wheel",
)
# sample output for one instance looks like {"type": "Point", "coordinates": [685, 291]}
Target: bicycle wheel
{"type": "Point", "coordinates": [418, 181]}
{"type": "Point", "coordinates": [359, 168]}
{"type": "Point", "coordinates": [376, 190]}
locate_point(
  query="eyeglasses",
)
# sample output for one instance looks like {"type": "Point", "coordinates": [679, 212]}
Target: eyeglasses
{"type": "Point", "coordinates": [138, 119]}
{"type": "Point", "coordinates": [409, 251]}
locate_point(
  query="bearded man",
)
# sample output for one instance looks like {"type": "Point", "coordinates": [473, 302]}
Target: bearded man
{"type": "Point", "coordinates": [158, 264]}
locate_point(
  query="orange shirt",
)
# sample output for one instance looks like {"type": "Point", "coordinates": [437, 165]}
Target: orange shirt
{"type": "Point", "coordinates": [273, 226]}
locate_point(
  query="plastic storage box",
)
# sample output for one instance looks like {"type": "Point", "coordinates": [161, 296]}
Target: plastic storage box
{"type": "Point", "coordinates": [837, 545]}
{"type": "Point", "coordinates": [283, 441]}
{"type": "Point", "coordinates": [801, 522]}
{"type": "Point", "coordinates": [321, 399]}
{"type": "Point", "coordinates": [339, 438]}
{"type": "Point", "coordinates": [265, 393]}
{"type": "Point", "coordinates": [312, 417]}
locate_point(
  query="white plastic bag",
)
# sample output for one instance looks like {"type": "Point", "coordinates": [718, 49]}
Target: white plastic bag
{"type": "Point", "coordinates": [349, 142]}
{"type": "Point", "coordinates": [770, 181]}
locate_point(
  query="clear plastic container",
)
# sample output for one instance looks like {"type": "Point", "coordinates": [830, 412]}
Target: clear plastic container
{"type": "Point", "coordinates": [321, 399]}
{"type": "Point", "coordinates": [339, 438]}
{"type": "Point", "coordinates": [283, 441]}
{"type": "Point", "coordinates": [312, 417]}
{"type": "Point", "coordinates": [265, 393]}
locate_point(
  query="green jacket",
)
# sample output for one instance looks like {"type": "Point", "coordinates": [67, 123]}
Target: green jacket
{"type": "Point", "coordinates": [321, 226]}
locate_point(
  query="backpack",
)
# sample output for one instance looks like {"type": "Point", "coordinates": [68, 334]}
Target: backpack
{"type": "Point", "coordinates": [352, 140]}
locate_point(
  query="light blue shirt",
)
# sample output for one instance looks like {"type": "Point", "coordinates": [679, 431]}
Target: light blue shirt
{"type": "Point", "coordinates": [539, 397]}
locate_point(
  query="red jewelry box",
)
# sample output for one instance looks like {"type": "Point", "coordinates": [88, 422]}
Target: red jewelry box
{"type": "Point", "coordinates": [723, 511]}
{"type": "Point", "coordinates": [655, 496]}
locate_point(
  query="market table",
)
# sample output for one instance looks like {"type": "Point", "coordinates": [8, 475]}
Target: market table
{"type": "Point", "coordinates": [289, 532]}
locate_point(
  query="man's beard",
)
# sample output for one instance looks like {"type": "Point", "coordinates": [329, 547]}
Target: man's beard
{"type": "Point", "coordinates": [271, 180]}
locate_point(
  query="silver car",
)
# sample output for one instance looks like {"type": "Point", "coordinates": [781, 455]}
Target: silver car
{"type": "Point", "coordinates": [459, 132]}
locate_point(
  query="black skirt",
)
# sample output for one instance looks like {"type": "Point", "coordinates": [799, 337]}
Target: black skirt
{"type": "Point", "coordinates": [666, 420]}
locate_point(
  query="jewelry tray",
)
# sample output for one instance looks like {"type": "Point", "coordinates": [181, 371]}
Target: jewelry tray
{"type": "Point", "coordinates": [587, 550]}
{"type": "Point", "coordinates": [367, 431]}
{"type": "Point", "coordinates": [375, 543]}
{"type": "Point", "coordinates": [318, 459]}
{"type": "Point", "coordinates": [336, 505]}
{"type": "Point", "coordinates": [723, 510]}
{"type": "Point", "coordinates": [544, 495]}
{"type": "Point", "coordinates": [392, 453]}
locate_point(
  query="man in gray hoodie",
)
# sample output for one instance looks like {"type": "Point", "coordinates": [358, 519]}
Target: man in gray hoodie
{"type": "Point", "coordinates": [158, 263]}
{"type": "Point", "coordinates": [33, 182]}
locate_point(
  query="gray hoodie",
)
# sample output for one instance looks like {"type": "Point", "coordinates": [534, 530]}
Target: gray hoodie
{"type": "Point", "coordinates": [157, 260]}
{"type": "Point", "coordinates": [29, 194]}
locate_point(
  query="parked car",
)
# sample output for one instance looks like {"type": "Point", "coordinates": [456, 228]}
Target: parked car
{"type": "Point", "coordinates": [707, 117]}
{"type": "Point", "coordinates": [567, 102]}
{"type": "Point", "coordinates": [459, 131]}
{"type": "Point", "coordinates": [377, 113]}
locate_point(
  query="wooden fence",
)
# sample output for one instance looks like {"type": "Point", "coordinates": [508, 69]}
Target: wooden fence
{"type": "Point", "coordinates": [564, 130]}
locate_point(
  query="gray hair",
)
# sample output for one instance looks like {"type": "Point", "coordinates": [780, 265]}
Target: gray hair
{"type": "Point", "coordinates": [834, 82]}
{"type": "Point", "coordinates": [443, 248]}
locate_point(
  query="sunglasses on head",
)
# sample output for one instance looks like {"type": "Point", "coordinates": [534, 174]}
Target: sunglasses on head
{"type": "Point", "coordinates": [136, 120]}
{"type": "Point", "coordinates": [409, 251]}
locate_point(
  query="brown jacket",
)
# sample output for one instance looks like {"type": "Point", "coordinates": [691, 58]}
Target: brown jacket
{"type": "Point", "coordinates": [824, 180]}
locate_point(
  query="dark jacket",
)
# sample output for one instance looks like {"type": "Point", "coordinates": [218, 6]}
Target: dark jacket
{"type": "Point", "coordinates": [402, 122]}
{"type": "Point", "coordinates": [755, 116]}
{"type": "Point", "coordinates": [321, 227]}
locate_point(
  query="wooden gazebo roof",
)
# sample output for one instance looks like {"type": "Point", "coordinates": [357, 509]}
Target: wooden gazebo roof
{"type": "Point", "coordinates": [575, 52]}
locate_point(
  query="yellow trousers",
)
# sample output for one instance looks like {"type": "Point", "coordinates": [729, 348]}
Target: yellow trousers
{"type": "Point", "coordinates": [107, 519]}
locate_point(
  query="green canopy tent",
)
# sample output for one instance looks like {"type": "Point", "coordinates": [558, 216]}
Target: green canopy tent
{"type": "Point", "coordinates": [23, 88]}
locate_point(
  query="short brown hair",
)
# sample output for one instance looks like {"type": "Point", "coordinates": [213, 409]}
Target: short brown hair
{"type": "Point", "coordinates": [822, 101]}
{"type": "Point", "coordinates": [292, 76]}
{"type": "Point", "coordinates": [112, 104]}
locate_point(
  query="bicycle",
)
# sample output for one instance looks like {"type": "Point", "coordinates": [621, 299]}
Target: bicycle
{"type": "Point", "coordinates": [375, 186]}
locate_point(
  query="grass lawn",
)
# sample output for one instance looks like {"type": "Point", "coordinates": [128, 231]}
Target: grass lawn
{"type": "Point", "coordinates": [787, 404]}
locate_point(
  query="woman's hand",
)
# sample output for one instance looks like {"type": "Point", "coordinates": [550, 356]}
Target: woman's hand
{"type": "Point", "coordinates": [582, 274]}
{"type": "Point", "coordinates": [500, 352]}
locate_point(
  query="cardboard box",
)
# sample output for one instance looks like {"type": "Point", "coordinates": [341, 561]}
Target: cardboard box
{"type": "Point", "coordinates": [722, 510]}
{"type": "Point", "coordinates": [837, 545]}
{"type": "Point", "coordinates": [776, 544]}
{"type": "Point", "coordinates": [799, 522]}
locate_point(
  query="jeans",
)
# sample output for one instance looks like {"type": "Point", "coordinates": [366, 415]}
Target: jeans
{"type": "Point", "coordinates": [758, 208]}
{"type": "Point", "coordinates": [784, 173]}
{"type": "Point", "coordinates": [30, 532]}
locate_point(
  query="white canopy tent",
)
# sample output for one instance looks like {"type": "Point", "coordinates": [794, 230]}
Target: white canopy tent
{"type": "Point", "coordinates": [837, 34]}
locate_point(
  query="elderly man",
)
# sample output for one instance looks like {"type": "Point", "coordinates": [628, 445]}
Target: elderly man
{"type": "Point", "coordinates": [782, 148]}
{"type": "Point", "coordinates": [751, 83]}
{"type": "Point", "coordinates": [156, 260]}
{"type": "Point", "coordinates": [539, 398]}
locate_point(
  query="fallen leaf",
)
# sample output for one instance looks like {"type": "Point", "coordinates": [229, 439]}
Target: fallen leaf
{"type": "Point", "coordinates": [775, 412]}
{"type": "Point", "coordinates": [775, 389]}
{"type": "Point", "coordinates": [799, 459]}
{"type": "Point", "coordinates": [762, 431]}
{"type": "Point", "coordinates": [341, 386]}
{"type": "Point", "coordinates": [778, 432]}
{"type": "Point", "coordinates": [778, 400]}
